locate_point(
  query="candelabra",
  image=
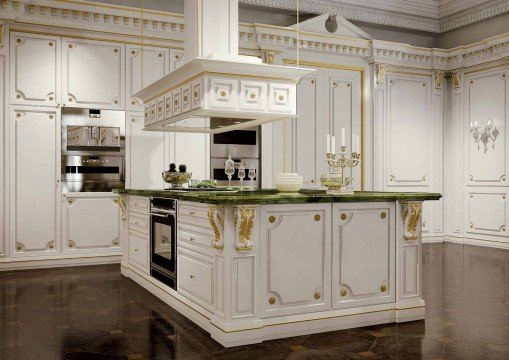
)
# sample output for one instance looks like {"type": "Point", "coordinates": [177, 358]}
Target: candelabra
{"type": "Point", "coordinates": [335, 181]}
{"type": "Point", "coordinates": [484, 133]}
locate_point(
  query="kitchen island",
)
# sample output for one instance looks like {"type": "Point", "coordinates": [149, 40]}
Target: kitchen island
{"type": "Point", "coordinates": [261, 265]}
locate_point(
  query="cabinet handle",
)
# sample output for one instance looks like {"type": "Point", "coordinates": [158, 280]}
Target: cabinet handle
{"type": "Point", "coordinates": [191, 276]}
{"type": "Point", "coordinates": [312, 181]}
{"type": "Point", "coordinates": [317, 217]}
{"type": "Point", "coordinates": [343, 216]}
{"type": "Point", "coordinates": [383, 215]}
{"type": "Point", "coordinates": [272, 300]}
{"type": "Point", "coordinates": [192, 238]}
{"type": "Point", "coordinates": [191, 213]}
{"type": "Point", "coordinates": [318, 295]}
{"type": "Point", "coordinates": [135, 250]}
{"type": "Point", "coordinates": [272, 219]}
{"type": "Point", "coordinates": [383, 288]}
{"type": "Point", "coordinates": [343, 292]}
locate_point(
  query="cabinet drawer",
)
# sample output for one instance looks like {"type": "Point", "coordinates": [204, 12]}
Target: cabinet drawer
{"type": "Point", "coordinates": [139, 251]}
{"type": "Point", "coordinates": [192, 238]}
{"type": "Point", "coordinates": [196, 277]}
{"type": "Point", "coordinates": [139, 222]}
{"type": "Point", "coordinates": [139, 204]}
{"type": "Point", "coordinates": [194, 211]}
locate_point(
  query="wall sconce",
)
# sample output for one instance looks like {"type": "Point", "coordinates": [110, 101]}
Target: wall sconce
{"type": "Point", "coordinates": [482, 132]}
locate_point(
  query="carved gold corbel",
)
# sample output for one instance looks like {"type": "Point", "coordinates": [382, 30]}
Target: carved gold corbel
{"type": "Point", "coordinates": [438, 77]}
{"type": "Point", "coordinates": [456, 79]}
{"type": "Point", "coordinates": [216, 219]}
{"type": "Point", "coordinates": [411, 215]}
{"type": "Point", "coordinates": [121, 204]}
{"type": "Point", "coordinates": [380, 74]}
{"type": "Point", "coordinates": [2, 31]}
{"type": "Point", "coordinates": [268, 56]}
{"type": "Point", "coordinates": [244, 222]}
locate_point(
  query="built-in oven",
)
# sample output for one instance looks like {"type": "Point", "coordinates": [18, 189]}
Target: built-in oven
{"type": "Point", "coordinates": [217, 167]}
{"type": "Point", "coordinates": [243, 143]}
{"type": "Point", "coordinates": [163, 240]}
{"type": "Point", "coordinates": [93, 150]}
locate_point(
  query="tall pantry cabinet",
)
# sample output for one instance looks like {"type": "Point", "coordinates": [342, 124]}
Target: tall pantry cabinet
{"type": "Point", "coordinates": [46, 73]}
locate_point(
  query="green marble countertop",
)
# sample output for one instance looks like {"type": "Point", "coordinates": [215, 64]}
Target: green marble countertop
{"type": "Point", "coordinates": [274, 197]}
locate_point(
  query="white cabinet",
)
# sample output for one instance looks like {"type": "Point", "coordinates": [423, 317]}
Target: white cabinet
{"type": "Point", "coordinates": [188, 148]}
{"type": "Point", "coordinates": [145, 155]}
{"type": "Point", "coordinates": [329, 100]}
{"type": "Point", "coordinates": [363, 254]}
{"type": "Point", "coordinates": [3, 168]}
{"type": "Point", "coordinates": [93, 74]}
{"type": "Point", "coordinates": [35, 69]}
{"type": "Point", "coordinates": [196, 276]}
{"type": "Point", "coordinates": [90, 223]}
{"type": "Point", "coordinates": [142, 69]}
{"type": "Point", "coordinates": [35, 167]}
{"type": "Point", "coordinates": [139, 251]}
{"type": "Point", "coordinates": [295, 266]}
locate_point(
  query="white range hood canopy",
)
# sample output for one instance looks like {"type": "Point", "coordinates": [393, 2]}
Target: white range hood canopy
{"type": "Point", "coordinates": [219, 90]}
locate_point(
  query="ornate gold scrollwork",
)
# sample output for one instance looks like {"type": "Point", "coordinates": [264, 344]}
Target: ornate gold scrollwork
{"type": "Point", "coordinates": [456, 79]}
{"type": "Point", "coordinates": [438, 76]}
{"type": "Point", "coordinates": [380, 74]}
{"type": "Point", "coordinates": [244, 222]}
{"type": "Point", "coordinates": [268, 56]}
{"type": "Point", "coordinates": [216, 219]}
{"type": "Point", "coordinates": [121, 204]}
{"type": "Point", "coordinates": [2, 31]}
{"type": "Point", "coordinates": [411, 216]}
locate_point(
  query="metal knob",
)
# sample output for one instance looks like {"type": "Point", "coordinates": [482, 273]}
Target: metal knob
{"type": "Point", "coordinates": [191, 276]}
{"type": "Point", "coordinates": [343, 292]}
{"type": "Point", "coordinates": [317, 295]}
{"type": "Point", "coordinates": [272, 300]}
{"type": "Point", "coordinates": [383, 288]}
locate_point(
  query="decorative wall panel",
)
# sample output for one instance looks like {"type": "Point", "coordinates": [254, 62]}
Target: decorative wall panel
{"type": "Point", "coordinates": [486, 98]}
{"type": "Point", "coordinates": [488, 213]}
{"type": "Point", "coordinates": [408, 120]}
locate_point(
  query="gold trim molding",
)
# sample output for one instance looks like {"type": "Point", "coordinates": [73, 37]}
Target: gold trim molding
{"type": "Point", "coordinates": [121, 204]}
{"type": "Point", "coordinates": [244, 222]}
{"type": "Point", "coordinates": [268, 56]}
{"type": "Point", "coordinates": [456, 79]}
{"type": "Point", "coordinates": [411, 215]}
{"type": "Point", "coordinates": [2, 32]}
{"type": "Point", "coordinates": [216, 220]}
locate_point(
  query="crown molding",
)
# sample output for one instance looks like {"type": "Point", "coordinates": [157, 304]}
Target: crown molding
{"type": "Point", "coordinates": [477, 13]}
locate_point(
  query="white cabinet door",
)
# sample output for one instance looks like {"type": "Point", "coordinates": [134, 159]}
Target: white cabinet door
{"type": "Point", "coordinates": [188, 148]}
{"type": "Point", "coordinates": [35, 69]}
{"type": "Point", "coordinates": [310, 131]}
{"type": "Point", "coordinates": [344, 104]}
{"type": "Point", "coordinates": [90, 223]}
{"type": "Point", "coordinates": [3, 168]}
{"type": "Point", "coordinates": [363, 254]}
{"type": "Point", "coordinates": [145, 155]}
{"type": "Point", "coordinates": [93, 74]}
{"type": "Point", "coordinates": [155, 63]}
{"type": "Point", "coordinates": [35, 165]}
{"type": "Point", "coordinates": [295, 259]}
{"type": "Point", "coordinates": [139, 251]}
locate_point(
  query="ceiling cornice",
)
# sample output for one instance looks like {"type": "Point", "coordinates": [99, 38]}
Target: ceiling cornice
{"type": "Point", "coordinates": [399, 13]}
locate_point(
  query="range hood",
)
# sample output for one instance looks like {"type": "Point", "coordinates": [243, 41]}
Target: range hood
{"type": "Point", "coordinates": [218, 90]}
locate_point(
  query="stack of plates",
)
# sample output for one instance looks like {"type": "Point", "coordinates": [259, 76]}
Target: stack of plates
{"type": "Point", "coordinates": [288, 182]}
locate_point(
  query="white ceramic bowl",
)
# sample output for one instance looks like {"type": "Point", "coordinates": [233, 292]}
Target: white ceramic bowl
{"type": "Point", "coordinates": [288, 182]}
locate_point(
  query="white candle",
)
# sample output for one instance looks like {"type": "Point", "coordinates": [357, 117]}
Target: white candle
{"type": "Point", "coordinates": [333, 145]}
{"type": "Point", "coordinates": [328, 143]}
{"type": "Point", "coordinates": [353, 143]}
{"type": "Point", "coordinates": [358, 144]}
{"type": "Point", "coordinates": [343, 137]}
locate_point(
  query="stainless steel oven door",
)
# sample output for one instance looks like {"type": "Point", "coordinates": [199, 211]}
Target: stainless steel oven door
{"type": "Point", "coordinates": [237, 143]}
{"type": "Point", "coordinates": [164, 246]}
{"type": "Point", "coordinates": [217, 172]}
{"type": "Point", "coordinates": [92, 173]}
{"type": "Point", "coordinates": [93, 132]}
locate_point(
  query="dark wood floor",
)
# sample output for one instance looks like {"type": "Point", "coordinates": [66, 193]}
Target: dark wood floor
{"type": "Point", "coordinates": [94, 313]}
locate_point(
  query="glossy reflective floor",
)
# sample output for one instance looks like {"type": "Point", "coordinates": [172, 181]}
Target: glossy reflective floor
{"type": "Point", "coordinates": [94, 313]}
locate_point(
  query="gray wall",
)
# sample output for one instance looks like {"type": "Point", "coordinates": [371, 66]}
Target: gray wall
{"type": "Point", "coordinates": [474, 32]}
